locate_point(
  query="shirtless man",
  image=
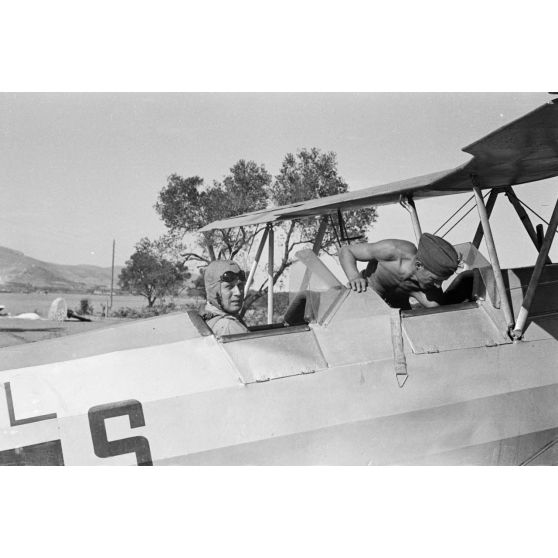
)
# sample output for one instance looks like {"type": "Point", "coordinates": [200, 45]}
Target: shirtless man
{"type": "Point", "coordinates": [397, 270]}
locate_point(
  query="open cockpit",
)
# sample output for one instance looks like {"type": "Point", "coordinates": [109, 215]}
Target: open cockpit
{"type": "Point", "coordinates": [326, 324]}
{"type": "Point", "coordinates": [484, 305]}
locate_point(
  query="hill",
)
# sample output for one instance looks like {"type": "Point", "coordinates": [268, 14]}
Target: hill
{"type": "Point", "coordinates": [19, 272]}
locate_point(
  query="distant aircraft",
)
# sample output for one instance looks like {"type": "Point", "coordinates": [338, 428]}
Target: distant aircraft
{"type": "Point", "coordinates": [344, 378]}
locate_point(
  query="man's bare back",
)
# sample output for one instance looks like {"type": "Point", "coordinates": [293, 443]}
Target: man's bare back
{"type": "Point", "coordinates": [396, 272]}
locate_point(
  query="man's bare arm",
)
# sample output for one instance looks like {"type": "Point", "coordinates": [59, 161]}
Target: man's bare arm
{"type": "Point", "coordinates": [348, 256]}
{"type": "Point", "coordinates": [430, 299]}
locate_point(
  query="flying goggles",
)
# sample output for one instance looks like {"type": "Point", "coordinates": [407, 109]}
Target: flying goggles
{"type": "Point", "coordinates": [230, 276]}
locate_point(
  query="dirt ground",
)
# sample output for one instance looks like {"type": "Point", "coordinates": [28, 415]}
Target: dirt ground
{"type": "Point", "coordinates": [14, 331]}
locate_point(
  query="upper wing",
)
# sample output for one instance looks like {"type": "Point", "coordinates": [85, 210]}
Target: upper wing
{"type": "Point", "coordinates": [523, 151]}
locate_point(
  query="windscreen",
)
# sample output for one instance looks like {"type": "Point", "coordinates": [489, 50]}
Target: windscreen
{"type": "Point", "coordinates": [313, 288]}
{"type": "Point", "coordinates": [473, 259]}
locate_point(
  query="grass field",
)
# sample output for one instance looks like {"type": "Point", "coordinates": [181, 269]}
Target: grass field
{"type": "Point", "coordinates": [18, 303]}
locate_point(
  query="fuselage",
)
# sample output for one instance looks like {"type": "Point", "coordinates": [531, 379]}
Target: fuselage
{"type": "Point", "coordinates": [167, 391]}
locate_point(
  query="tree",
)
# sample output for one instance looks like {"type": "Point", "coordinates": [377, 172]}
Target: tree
{"type": "Point", "coordinates": [149, 274]}
{"type": "Point", "coordinates": [186, 204]}
{"type": "Point", "coordinates": [308, 175]}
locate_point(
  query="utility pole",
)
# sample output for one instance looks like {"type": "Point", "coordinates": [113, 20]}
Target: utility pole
{"type": "Point", "coordinates": [112, 273]}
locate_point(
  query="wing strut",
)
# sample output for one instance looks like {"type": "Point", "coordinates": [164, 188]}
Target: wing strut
{"type": "Point", "coordinates": [316, 247]}
{"type": "Point", "coordinates": [533, 283]}
{"type": "Point", "coordinates": [255, 264]}
{"type": "Point", "coordinates": [524, 219]}
{"type": "Point", "coordinates": [483, 214]}
{"type": "Point", "coordinates": [489, 207]}
{"type": "Point", "coordinates": [408, 203]}
{"type": "Point", "coordinates": [270, 258]}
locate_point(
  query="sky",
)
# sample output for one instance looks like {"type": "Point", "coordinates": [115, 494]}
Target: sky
{"type": "Point", "coordinates": [81, 169]}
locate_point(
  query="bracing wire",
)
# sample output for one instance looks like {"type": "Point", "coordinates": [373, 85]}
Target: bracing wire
{"type": "Point", "coordinates": [457, 223]}
{"type": "Point", "coordinates": [452, 216]}
{"type": "Point", "coordinates": [534, 212]}
{"type": "Point", "coordinates": [455, 213]}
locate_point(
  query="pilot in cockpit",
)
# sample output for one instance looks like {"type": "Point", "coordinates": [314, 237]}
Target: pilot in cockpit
{"type": "Point", "coordinates": [224, 288]}
{"type": "Point", "coordinates": [397, 270]}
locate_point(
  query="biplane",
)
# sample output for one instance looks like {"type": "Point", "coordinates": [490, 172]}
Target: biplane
{"type": "Point", "coordinates": [343, 378]}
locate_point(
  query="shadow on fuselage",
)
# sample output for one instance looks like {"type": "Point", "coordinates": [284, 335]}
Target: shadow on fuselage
{"type": "Point", "coordinates": [543, 314]}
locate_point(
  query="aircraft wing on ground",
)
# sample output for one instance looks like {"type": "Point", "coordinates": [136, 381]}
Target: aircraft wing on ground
{"type": "Point", "coordinates": [525, 150]}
